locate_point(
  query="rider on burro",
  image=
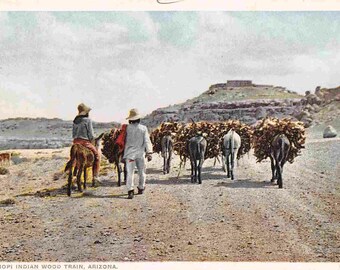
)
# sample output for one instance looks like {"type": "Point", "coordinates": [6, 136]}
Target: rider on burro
{"type": "Point", "coordinates": [83, 134]}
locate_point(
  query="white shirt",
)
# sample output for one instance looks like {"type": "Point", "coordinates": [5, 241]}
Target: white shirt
{"type": "Point", "coordinates": [137, 141]}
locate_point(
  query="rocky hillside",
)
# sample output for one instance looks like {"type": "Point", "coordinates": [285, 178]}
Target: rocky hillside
{"type": "Point", "coordinates": [248, 104]}
{"type": "Point", "coordinates": [40, 133]}
{"type": "Point", "coordinates": [220, 102]}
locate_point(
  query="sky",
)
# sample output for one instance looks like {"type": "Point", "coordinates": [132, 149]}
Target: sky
{"type": "Point", "coordinates": [114, 61]}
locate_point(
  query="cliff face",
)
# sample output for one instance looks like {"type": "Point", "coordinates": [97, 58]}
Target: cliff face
{"type": "Point", "coordinates": [221, 103]}
{"type": "Point", "coordinates": [328, 95]}
{"type": "Point", "coordinates": [247, 104]}
{"type": "Point", "coordinates": [248, 111]}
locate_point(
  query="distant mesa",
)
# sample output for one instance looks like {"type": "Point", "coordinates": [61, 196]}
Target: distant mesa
{"type": "Point", "coordinates": [241, 83]}
{"type": "Point", "coordinates": [237, 84]}
{"type": "Point", "coordinates": [246, 101]}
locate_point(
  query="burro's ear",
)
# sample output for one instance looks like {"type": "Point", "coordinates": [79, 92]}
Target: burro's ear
{"type": "Point", "coordinates": [100, 136]}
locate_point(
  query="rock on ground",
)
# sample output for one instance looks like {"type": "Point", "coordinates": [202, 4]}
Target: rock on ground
{"type": "Point", "coordinates": [329, 132]}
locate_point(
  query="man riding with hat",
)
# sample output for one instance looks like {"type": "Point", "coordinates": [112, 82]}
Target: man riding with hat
{"type": "Point", "coordinates": [83, 134]}
{"type": "Point", "coordinates": [137, 147]}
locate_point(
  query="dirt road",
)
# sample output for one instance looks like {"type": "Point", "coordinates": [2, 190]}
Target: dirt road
{"type": "Point", "coordinates": [248, 219]}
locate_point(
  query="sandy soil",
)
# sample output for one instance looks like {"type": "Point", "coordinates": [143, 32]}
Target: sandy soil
{"type": "Point", "coordinates": [248, 219]}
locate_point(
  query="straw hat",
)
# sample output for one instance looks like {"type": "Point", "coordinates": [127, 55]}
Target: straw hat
{"type": "Point", "coordinates": [133, 115]}
{"type": "Point", "coordinates": [83, 109]}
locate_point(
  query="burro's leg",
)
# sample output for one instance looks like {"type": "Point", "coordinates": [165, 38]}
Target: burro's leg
{"type": "Point", "coordinates": [233, 163]}
{"type": "Point", "coordinates": [85, 176]}
{"type": "Point", "coordinates": [119, 171]}
{"type": "Point", "coordinates": [125, 172]}
{"type": "Point", "coordinates": [169, 162]}
{"type": "Point", "coordinates": [69, 181]}
{"type": "Point", "coordinates": [227, 156]}
{"type": "Point", "coordinates": [279, 179]}
{"type": "Point", "coordinates": [196, 170]}
{"type": "Point", "coordinates": [200, 164]}
{"type": "Point", "coordinates": [164, 163]}
{"type": "Point", "coordinates": [192, 163]}
{"type": "Point", "coordinates": [273, 169]}
{"type": "Point", "coordinates": [80, 171]}
{"type": "Point", "coordinates": [224, 163]}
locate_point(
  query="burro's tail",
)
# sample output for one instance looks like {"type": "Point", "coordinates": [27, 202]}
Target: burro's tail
{"type": "Point", "coordinates": [69, 164]}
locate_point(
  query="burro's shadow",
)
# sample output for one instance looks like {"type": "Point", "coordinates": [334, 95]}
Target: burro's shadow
{"type": "Point", "coordinates": [245, 183]}
{"type": "Point", "coordinates": [46, 192]}
{"type": "Point", "coordinates": [90, 192]}
{"type": "Point", "coordinates": [182, 180]}
{"type": "Point", "coordinates": [210, 173]}
{"type": "Point", "coordinates": [108, 182]}
{"type": "Point", "coordinates": [154, 171]}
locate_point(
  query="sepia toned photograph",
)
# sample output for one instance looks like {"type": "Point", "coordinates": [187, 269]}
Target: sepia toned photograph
{"type": "Point", "coordinates": [169, 136]}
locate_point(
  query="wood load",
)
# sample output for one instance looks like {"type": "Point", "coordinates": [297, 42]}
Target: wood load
{"type": "Point", "coordinates": [241, 129]}
{"type": "Point", "coordinates": [213, 132]}
{"type": "Point", "coordinates": [166, 128]}
{"type": "Point", "coordinates": [186, 132]}
{"type": "Point", "coordinates": [109, 140]}
{"type": "Point", "coordinates": [266, 129]}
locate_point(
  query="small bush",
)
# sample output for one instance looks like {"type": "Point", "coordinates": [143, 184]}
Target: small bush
{"type": "Point", "coordinates": [57, 157]}
{"type": "Point", "coordinates": [3, 171]}
{"type": "Point", "coordinates": [15, 154]}
{"type": "Point", "coordinates": [58, 175]}
{"type": "Point", "coordinates": [17, 160]}
{"type": "Point", "coordinates": [7, 201]}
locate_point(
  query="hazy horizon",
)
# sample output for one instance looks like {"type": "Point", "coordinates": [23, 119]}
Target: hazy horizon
{"type": "Point", "coordinates": [114, 61]}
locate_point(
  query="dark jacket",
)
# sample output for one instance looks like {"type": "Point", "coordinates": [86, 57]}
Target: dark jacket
{"type": "Point", "coordinates": [82, 128]}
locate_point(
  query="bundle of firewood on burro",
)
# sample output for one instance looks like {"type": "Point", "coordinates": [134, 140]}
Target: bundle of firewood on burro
{"type": "Point", "coordinates": [280, 140]}
{"type": "Point", "coordinates": [165, 129]}
{"type": "Point", "coordinates": [241, 129]}
{"type": "Point", "coordinates": [213, 132]}
{"type": "Point", "coordinates": [109, 140]}
{"type": "Point", "coordinates": [113, 152]}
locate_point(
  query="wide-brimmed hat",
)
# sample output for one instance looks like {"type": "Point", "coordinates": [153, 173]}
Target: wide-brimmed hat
{"type": "Point", "coordinates": [133, 115]}
{"type": "Point", "coordinates": [83, 109]}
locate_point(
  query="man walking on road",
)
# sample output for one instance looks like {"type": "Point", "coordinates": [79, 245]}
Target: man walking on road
{"type": "Point", "coordinates": [137, 147]}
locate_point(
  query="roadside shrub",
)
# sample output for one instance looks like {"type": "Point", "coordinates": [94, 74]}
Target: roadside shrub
{"type": "Point", "coordinates": [7, 201]}
{"type": "Point", "coordinates": [17, 160]}
{"type": "Point", "coordinates": [15, 154]}
{"type": "Point", "coordinates": [3, 171]}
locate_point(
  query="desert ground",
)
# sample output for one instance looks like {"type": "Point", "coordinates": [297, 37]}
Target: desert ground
{"type": "Point", "coordinates": [248, 219]}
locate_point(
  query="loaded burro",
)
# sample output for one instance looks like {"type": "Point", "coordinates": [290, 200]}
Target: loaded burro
{"type": "Point", "coordinates": [131, 145]}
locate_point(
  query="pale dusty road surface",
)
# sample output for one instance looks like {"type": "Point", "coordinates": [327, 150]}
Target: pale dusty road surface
{"type": "Point", "coordinates": [248, 219]}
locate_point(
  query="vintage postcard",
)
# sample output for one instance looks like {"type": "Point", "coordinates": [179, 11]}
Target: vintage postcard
{"type": "Point", "coordinates": [170, 132]}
